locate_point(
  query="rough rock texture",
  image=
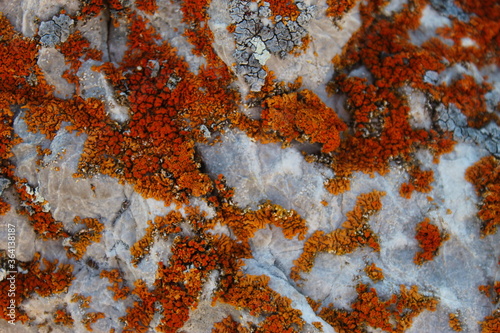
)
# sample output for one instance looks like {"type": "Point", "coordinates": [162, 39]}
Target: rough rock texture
{"type": "Point", "coordinates": [142, 135]}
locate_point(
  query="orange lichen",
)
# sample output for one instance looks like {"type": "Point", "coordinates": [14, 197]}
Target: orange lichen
{"type": "Point", "coordinates": [147, 6]}
{"type": "Point", "coordinates": [379, 111]}
{"type": "Point", "coordinates": [83, 302]}
{"type": "Point", "coordinates": [4, 207]}
{"type": "Point", "coordinates": [284, 8]}
{"type": "Point", "coordinates": [459, 93]}
{"type": "Point", "coordinates": [355, 232]}
{"type": "Point", "coordinates": [118, 288]}
{"type": "Point", "coordinates": [482, 29]}
{"type": "Point", "coordinates": [53, 278]}
{"type": "Point", "coordinates": [63, 317]}
{"type": "Point", "coordinates": [78, 242]}
{"type": "Point", "coordinates": [161, 226]}
{"type": "Point", "coordinates": [454, 322]}
{"type": "Point", "coordinates": [228, 325]}
{"type": "Point", "coordinates": [492, 291]}
{"type": "Point", "coordinates": [91, 8]}
{"type": "Point", "coordinates": [302, 113]}
{"type": "Point", "coordinates": [429, 239]}
{"type": "Point", "coordinates": [337, 8]}
{"type": "Point", "coordinates": [244, 223]}
{"type": "Point", "coordinates": [491, 323]}
{"type": "Point", "coordinates": [91, 317]}
{"type": "Point", "coordinates": [374, 273]}
{"type": "Point", "coordinates": [394, 315]}
{"type": "Point", "coordinates": [420, 181]}
{"type": "Point", "coordinates": [75, 49]}
{"type": "Point", "coordinates": [252, 293]}
{"type": "Point", "coordinates": [485, 176]}
{"type": "Point", "coordinates": [38, 212]}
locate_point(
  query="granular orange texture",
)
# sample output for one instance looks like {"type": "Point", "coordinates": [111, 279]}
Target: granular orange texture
{"type": "Point", "coordinates": [91, 8]}
{"type": "Point", "coordinates": [482, 28]}
{"type": "Point", "coordinates": [20, 80]}
{"type": "Point", "coordinates": [147, 6]}
{"type": "Point", "coordinates": [337, 8]}
{"type": "Point", "coordinates": [54, 278]}
{"type": "Point", "coordinates": [303, 114]}
{"type": "Point", "coordinates": [492, 291]}
{"type": "Point", "coordinates": [454, 322]}
{"type": "Point", "coordinates": [491, 323]}
{"type": "Point", "coordinates": [252, 293]}
{"type": "Point", "coordinates": [355, 232]}
{"type": "Point", "coordinates": [289, 115]}
{"type": "Point", "coordinates": [380, 129]}
{"type": "Point", "coordinates": [485, 176]}
{"type": "Point", "coordinates": [244, 223]}
{"type": "Point", "coordinates": [83, 301]}
{"type": "Point", "coordinates": [228, 325]}
{"type": "Point", "coordinates": [468, 96]}
{"type": "Point", "coordinates": [78, 242]}
{"type": "Point", "coordinates": [284, 8]}
{"type": "Point", "coordinates": [420, 181]}
{"type": "Point", "coordinates": [393, 315]}
{"type": "Point", "coordinates": [374, 273]}
{"type": "Point", "coordinates": [91, 317]}
{"type": "Point", "coordinates": [162, 226]}
{"type": "Point", "coordinates": [75, 50]}
{"type": "Point", "coordinates": [63, 317]}
{"type": "Point", "coordinates": [38, 212]}
{"type": "Point", "coordinates": [118, 288]}
{"type": "Point", "coordinates": [429, 239]}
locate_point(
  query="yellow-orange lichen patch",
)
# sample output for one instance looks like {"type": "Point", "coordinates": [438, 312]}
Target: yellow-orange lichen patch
{"type": "Point", "coordinates": [37, 210]}
{"type": "Point", "coordinates": [492, 291]}
{"type": "Point", "coordinates": [83, 301]}
{"type": "Point", "coordinates": [337, 8]}
{"type": "Point", "coordinates": [429, 239]}
{"type": "Point", "coordinates": [63, 317]}
{"type": "Point", "coordinates": [118, 288]}
{"type": "Point", "coordinates": [454, 322]}
{"type": "Point", "coordinates": [53, 278]}
{"type": "Point", "coordinates": [77, 244]}
{"type": "Point", "coordinates": [459, 93]}
{"type": "Point", "coordinates": [485, 176]}
{"type": "Point", "coordinates": [355, 232]}
{"type": "Point", "coordinates": [91, 317]}
{"type": "Point", "coordinates": [91, 8]}
{"type": "Point", "coordinates": [393, 315]}
{"type": "Point", "coordinates": [302, 113]}
{"type": "Point", "coordinates": [253, 293]}
{"type": "Point", "coordinates": [76, 49]}
{"type": "Point", "coordinates": [147, 6]}
{"type": "Point", "coordinates": [491, 323]}
{"type": "Point", "coordinates": [482, 29]}
{"type": "Point", "coordinates": [284, 8]}
{"type": "Point", "coordinates": [161, 226]}
{"type": "Point", "coordinates": [244, 223]}
{"type": "Point", "coordinates": [420, 180]}
{"type": "Point", "coordinates": [380, 131]}
{"type": "Point", "coordinates": [228, 325]}
{"type": "Point", "coordinates": [374, 273]}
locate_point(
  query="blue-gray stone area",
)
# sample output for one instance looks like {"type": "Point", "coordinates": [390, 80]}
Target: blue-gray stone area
{"type": "Point", "coordinates": [449, 8]}
{"type": "Point", "coordinates": [258, 36]}
{"type": "Point", "coordinates": [450, 118]}
{"type": "Point", "coordinates": [56, 30]}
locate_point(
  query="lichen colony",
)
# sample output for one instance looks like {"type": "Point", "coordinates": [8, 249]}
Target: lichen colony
{"type": "Point", "coordinates": [249, 166]}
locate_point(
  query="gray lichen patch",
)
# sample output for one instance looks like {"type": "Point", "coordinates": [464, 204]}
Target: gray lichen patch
{"type": "Point", "coordinates": [452, 119]}
{"type": "Point", "coordinates": [56, 30]}
{"type": "Point", "coordinates": [258, 37]}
